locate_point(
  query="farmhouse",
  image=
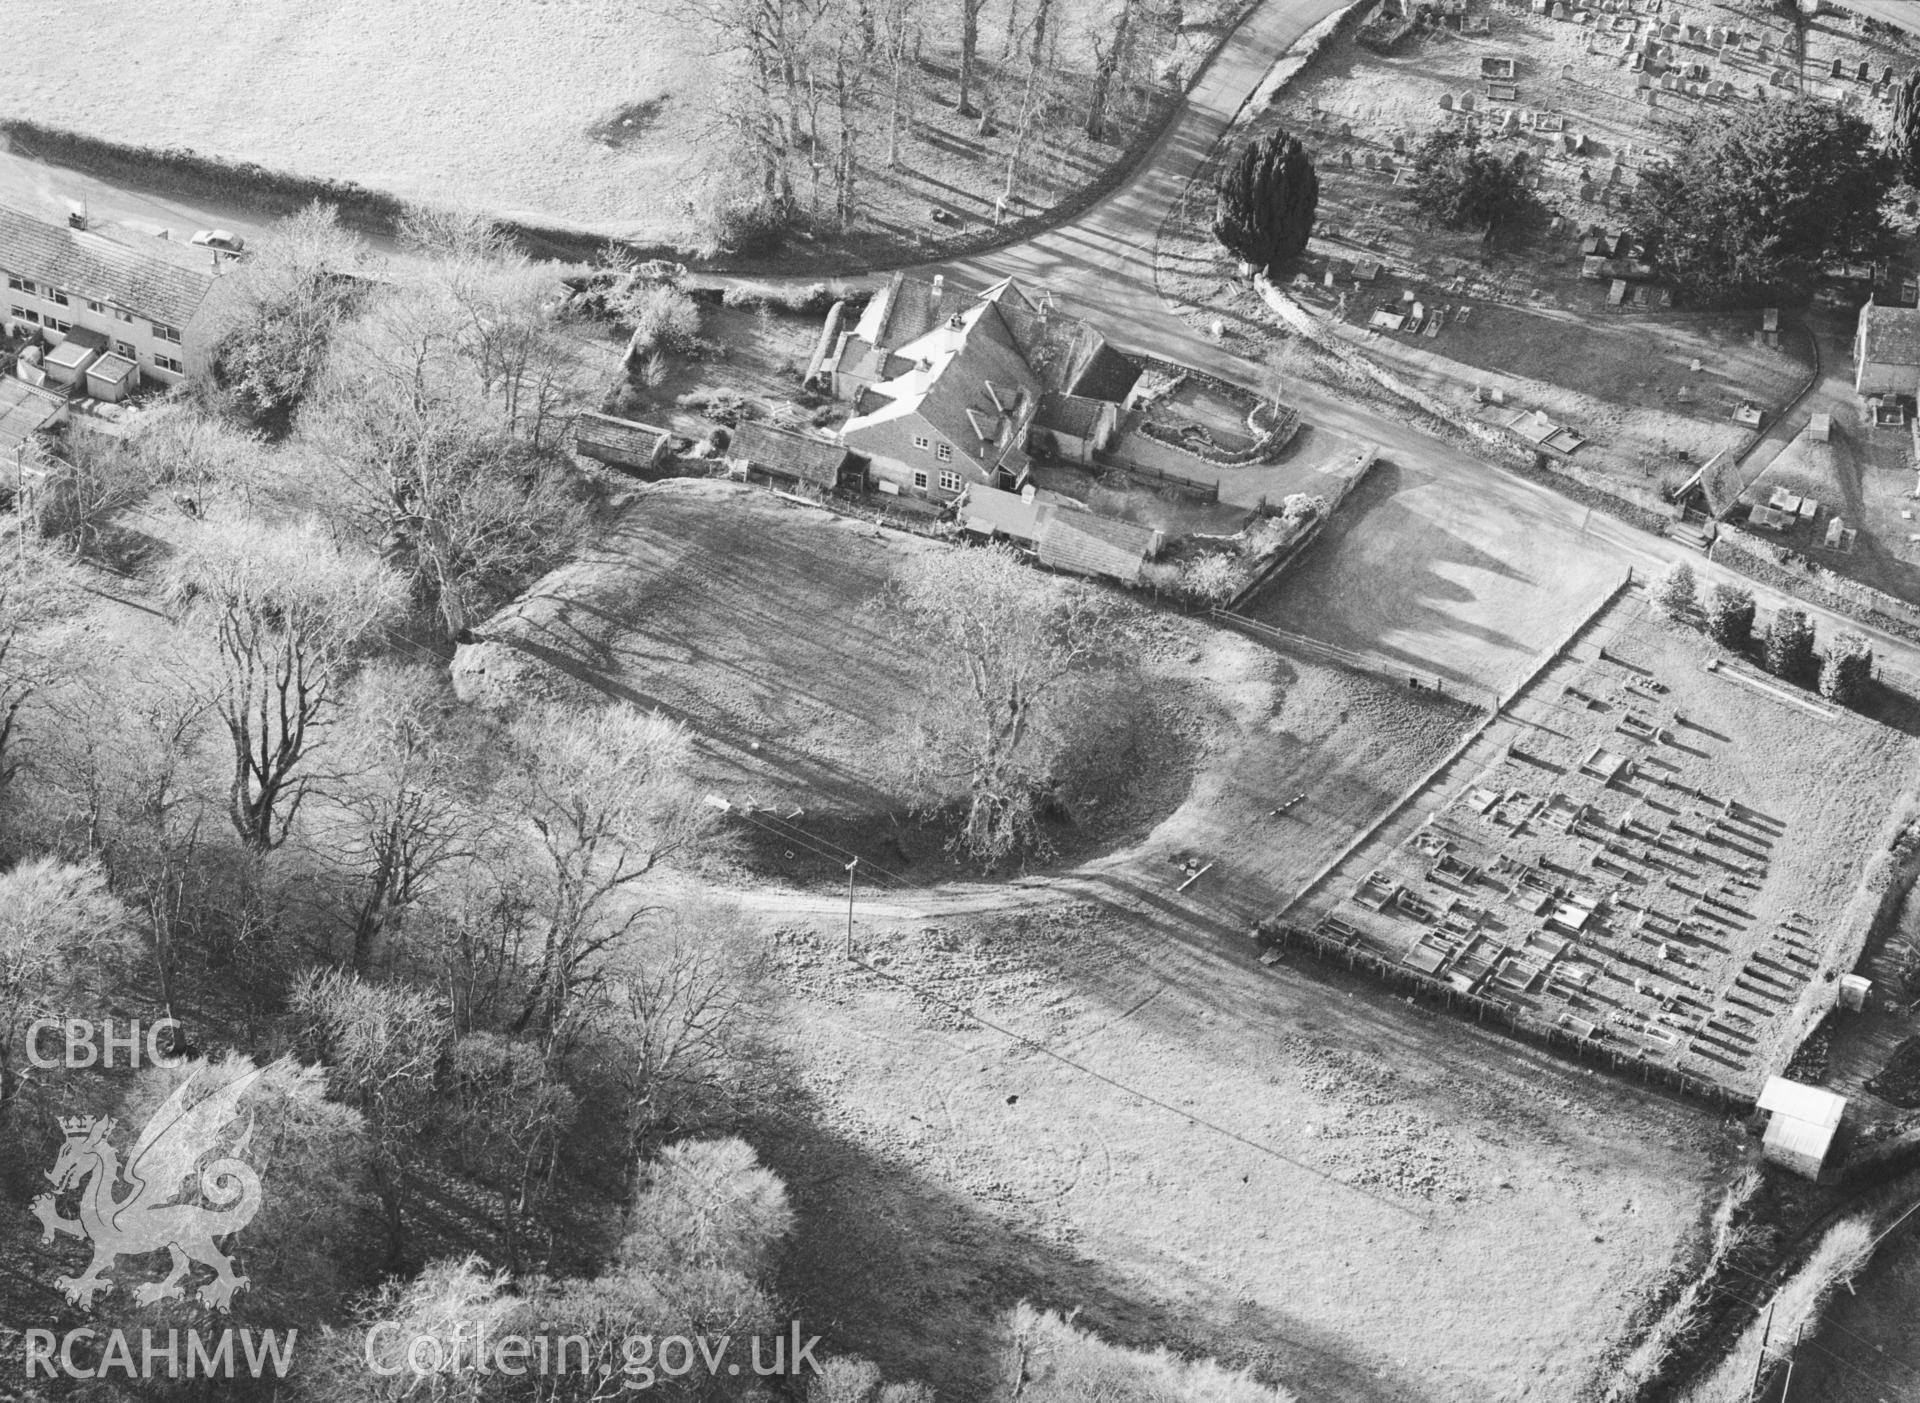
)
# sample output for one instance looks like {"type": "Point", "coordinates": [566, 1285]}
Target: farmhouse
{"type": "Point", "coordinates": [1886, 351]}
{"type": "Point", "coordinates": [950, 392]}
{"type": "Point", "coordinates": [111, 294]}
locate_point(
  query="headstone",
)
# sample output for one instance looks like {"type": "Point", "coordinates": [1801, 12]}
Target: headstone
{"type": "Point", "coordinates": [1368, 161]}
{"type": "Point", "coordinates": [1346, 159]}
{"type": "Point", "coordinates": [1837, 70]}
{"type": "Point", "coordinates": [1865, 73]}
{"type": "Point", "coordinates": [1559, 10]}
{"type": "Point", "coordinates": [1386, 164]}
{"type": "Point", "coordinates": [1346, 130]}
{"type": "Point", "coordinates": [1466, 102]}
{"type": "Point", "coordinates": [1399, 145]}
{"type": "Point", "coordinates": [1446, 102]}
{"type": "Point", "coordinates": [1327, 280]}
{"type": "Point", "coordinates": [1887, 77]}
{"type": "Point", "coordinates": [1566, 73]}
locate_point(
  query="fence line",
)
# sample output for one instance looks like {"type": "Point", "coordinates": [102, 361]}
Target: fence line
{"type": "Point", "coordinates": [1513, 1019]}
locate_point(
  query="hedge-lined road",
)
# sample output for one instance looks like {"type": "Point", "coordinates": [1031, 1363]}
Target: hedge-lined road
{"type": "Point", "coordinates": [1464, 518]}
{"type": "Point", "coordinates": [1452, 512]}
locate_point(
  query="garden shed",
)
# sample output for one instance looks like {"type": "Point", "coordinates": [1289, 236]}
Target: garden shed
{"type": "Point", "coordinates": [1801, 1125]}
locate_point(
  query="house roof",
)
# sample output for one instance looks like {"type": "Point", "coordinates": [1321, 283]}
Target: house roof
{"type": "Point", "coordinates": [1063, 352]}
{"type": "Point", "coordinates": [790, 454]}
{"type": "Point", "coordinates": [1891, 334]}
{"type": "Point", "coordinates": [156, 278]}
{"type": "Point", "coordinates": [24, 412]}
{"type": "Point", "coordinates": [945, 383]}
{"type": "Point", "coordinates": [1074, 415]}
{"type": "Point", "coordinates": [618, 441]}
{"type": "Point", "coordinates": [1095, 545]}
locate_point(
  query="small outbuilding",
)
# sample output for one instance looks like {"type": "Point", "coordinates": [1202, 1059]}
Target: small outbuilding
{"type": "Point", "coordinates": [1073, 427]}
{"type": "Point", "coordinates": [1084, 544]}
{"type": "Point", "coordinates": [113, 377]}
{"type": "Point", "coordinates": [620, 443]}
{"type": "Point", "coordinates": [1801, 1125]}
{"type": "Point", "coordinates": [788, 460]}
{"type": "Point", "coordinates": [1886, 351]}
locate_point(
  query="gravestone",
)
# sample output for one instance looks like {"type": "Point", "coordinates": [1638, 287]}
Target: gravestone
{"type": "Point", "coordinates": [1346, 130]}
{"type": "Point", "coordinates": [1887, 77]}
{"type": "Point", "coordinates": [1559, 10]}
{"type": "Point", "coordinates": [1346, 159]}
{"type": "Point", "coordinates": [1566, 73]}
{"type": "Point", "coordinates": [1399, 145]}
{"type": "Point", "coordinates": [1446, 102]}
{"type": "Point", "coordinates": [1467, 103]}
{"type": "Point", "coordinates": [1386, 164]}
{"type": "Point", "coordinates": [1837, 70]}
{"type": "Point", "coordinates": [1865, 73]}
{"type": "Point", "coordinates": [1368, 161]}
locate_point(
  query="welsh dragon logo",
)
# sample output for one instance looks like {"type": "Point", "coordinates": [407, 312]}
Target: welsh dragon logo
{"type": "Point", "coordinates": [186, 1130]}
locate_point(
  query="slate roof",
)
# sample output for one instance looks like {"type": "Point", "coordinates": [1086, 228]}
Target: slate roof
{"type": "Point", "coordinates": [1073, 415]}
{"type": "Point", "coordinates": [1892, 334]}
{"type": "Point", "coordinates": [150, 277]}
{"type": "Point", "coordinates": [622, 442]}
{"type": "Point", "coordinates": [24, 411]}
{"type": "Point", "coordinates": [947, 384]}
{"type": "Point", "coordinates": [1095, 545]}
{"type": "Point", "coordinates": [789, 454]}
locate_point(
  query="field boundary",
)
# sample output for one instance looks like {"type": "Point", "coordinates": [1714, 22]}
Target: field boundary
{"type": "Point", "coordinates": [1547, 659]}
{"type": "Point", "coordinates": [178, 169]}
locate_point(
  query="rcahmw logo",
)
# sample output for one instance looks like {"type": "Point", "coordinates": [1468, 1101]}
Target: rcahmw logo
{"type": "Point", "coordinates": [131, 1211]}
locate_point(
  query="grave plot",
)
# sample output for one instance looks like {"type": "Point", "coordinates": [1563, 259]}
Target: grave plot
{"type": "Point", "coordinates": [1566, 322]}
{"type": "Point", "coordinates": [1652, 858]}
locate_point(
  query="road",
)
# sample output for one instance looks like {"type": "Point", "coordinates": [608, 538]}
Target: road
{"type": "Point", "coordinates": [1100, 265]}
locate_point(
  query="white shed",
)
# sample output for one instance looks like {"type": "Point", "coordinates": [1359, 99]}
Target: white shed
{"type": "Point", "coordinates": [1801, 1126]}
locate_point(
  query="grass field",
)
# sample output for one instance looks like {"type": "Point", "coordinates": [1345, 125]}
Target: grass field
{"type": "Point", "coordinates": [747, 618]}
{"type": "Point", "coordinates": [1411, 572]}
{"type": "Point", "coordinates": [1417, 1214]}
{"type": "Point", "coordinates": [590, 114]}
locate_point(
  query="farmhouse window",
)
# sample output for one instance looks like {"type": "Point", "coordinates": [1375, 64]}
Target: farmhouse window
{"type": "Point", "coordinates": [944, 453]}
{"type": "Point", "coordinates": [27, 316]}
{"type": "Point", "coordinates": [93, 306]}
{"type": "Point", "coordinates": [920, 442]}
{"type": "Point", "coordinates": [18, 284]}
{"type": "Point", "coordinates": [59, 297]}
{"type": "Point", "coordinates": [55, 324]}
{"type": "Point", "coordinates": [949, 482]}
{"type": "Point", "coordinates": [125, 348]}
{"type": "Point", "coordinates": [167, 333]}
{"type": "Point", "coordinates": [167, 363]}
{"type": "Point", "coordinates": [121, 316]}
{"type": "Point", "coordinates": [920, 479]}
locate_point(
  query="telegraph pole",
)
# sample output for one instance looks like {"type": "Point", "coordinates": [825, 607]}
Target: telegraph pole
{"type": "Point", "coordinates": [850, 866]}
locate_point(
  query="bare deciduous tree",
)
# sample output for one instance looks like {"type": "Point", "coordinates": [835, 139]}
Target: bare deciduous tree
{"type": "Point", "coordinates": [60, 928]}
{"type": "Point", "coordinates": [382, 1046]}
{"type": "Point", "coordinates": [1005, 647]}
{"type": "Point", "coordinates": [288, 611]}
{"type": "Point", "coordinates": [607, 796]}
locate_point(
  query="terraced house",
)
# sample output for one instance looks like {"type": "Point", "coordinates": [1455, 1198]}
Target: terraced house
{"type": "Point", "coordinates": [111, 306]}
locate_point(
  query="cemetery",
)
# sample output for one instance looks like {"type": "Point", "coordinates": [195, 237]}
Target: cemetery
{"type": "Point", "coordinates": [1560, 319]}
{"type": "Point", "coordinates": [1647, 854]}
